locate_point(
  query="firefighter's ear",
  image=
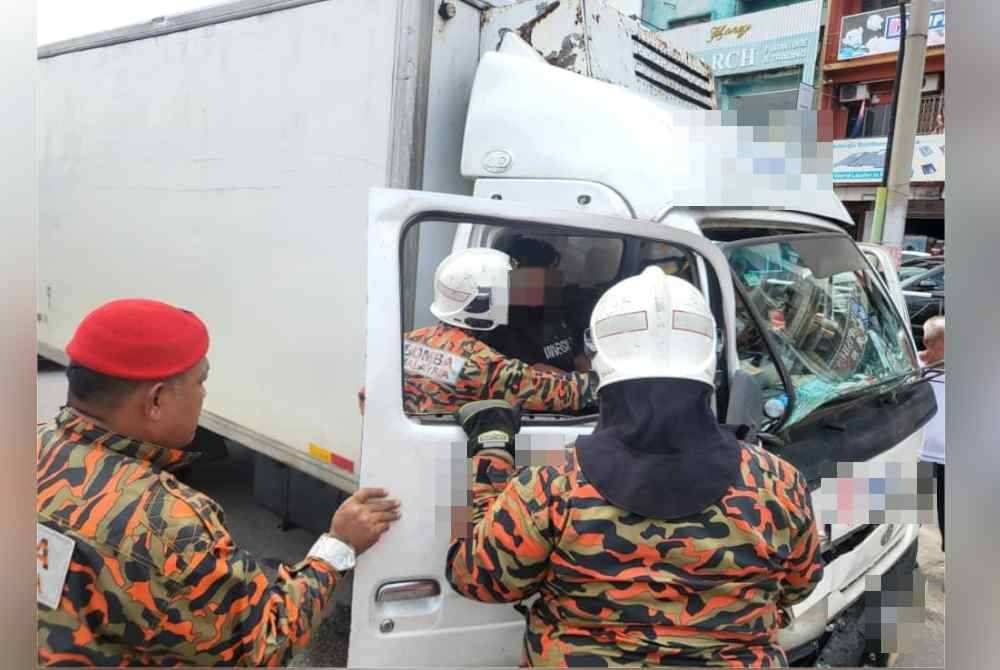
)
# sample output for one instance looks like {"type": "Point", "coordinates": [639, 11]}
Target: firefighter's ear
{"type": "Point", "coordinates": [152, 401]}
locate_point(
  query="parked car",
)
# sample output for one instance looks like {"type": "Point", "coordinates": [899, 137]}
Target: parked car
{"type": "Point", "coordinates": [924, 293]}
{"type": "Point", "coordinates": [913, 263]}
{"type": "Point", "coordinates": [909, 255]}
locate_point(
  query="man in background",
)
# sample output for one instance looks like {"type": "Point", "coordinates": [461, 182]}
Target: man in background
{"type": "Point", "coordinates": [933, 450]}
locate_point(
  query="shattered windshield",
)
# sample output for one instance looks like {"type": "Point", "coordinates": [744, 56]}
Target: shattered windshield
{"type": "Point", "coordinates": [831, 323]}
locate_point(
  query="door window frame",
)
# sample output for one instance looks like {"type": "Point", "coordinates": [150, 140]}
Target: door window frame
{"type": "Point", "coordinates": [701, 272]}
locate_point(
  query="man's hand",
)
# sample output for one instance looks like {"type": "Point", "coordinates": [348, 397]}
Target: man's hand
{"type": "Point", "coordinates": [361, 519]}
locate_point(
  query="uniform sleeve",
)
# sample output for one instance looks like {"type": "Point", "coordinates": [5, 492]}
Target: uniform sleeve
{"type": "Point", "coordinates": [232, 614]}
{"type": "Point", "coordinates": [516, 381]}
{"type": "Point", "coordinates": [804, 565]}
{"type": "Point", "coordinates": [513, 534]}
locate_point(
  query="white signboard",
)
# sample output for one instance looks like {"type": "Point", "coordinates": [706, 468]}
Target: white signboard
{"type": "Point", "coordinates": [862, 160]}
{"type": "Point", "coordinates": [768, 40]}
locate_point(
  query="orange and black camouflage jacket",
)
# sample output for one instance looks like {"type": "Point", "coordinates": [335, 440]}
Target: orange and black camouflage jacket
{"type": "Point", "coordinates": [618, 589]}
{"type": "Point", "coordinates": [155, 577]}
{"type": "Point", "coordinates": [444, 368]}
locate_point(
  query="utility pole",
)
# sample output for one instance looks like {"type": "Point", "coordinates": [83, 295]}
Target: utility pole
{"type": "Point", "coordinates": [894, 198]}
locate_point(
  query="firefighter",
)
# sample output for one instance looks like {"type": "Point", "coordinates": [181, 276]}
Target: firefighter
{"type": "Point", "coordinates": [446, 365]}
{"type": "Point", "coordinates": [135, 568]}
{"type": "Point", "coordinates": [662, 540]}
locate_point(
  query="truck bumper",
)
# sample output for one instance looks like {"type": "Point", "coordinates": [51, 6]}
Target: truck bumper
{"type": "Point", "coordinates": [847, 640]}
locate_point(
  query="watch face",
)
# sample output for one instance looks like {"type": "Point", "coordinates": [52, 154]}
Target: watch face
{"type": "Point", "coordinates": [334, 552]}
{"type": "Point", "coordinates": [343, 558]}
{"type": "Point", "coordinates": [343, 561]}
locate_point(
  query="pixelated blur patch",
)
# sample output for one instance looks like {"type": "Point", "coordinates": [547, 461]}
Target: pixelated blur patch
{"type": "Point", "coordinates": [894, 611]}
{"type": "Point", "coordinates": [875, 493]}
{"type": "Point", "coordinates": [453, 493]}
{"type": "Point", "coordinates": [536, 450]}
{"type": "Point", "coordinates": [744, 155]}
{"type": "Point", "coordinates": [455, 476]}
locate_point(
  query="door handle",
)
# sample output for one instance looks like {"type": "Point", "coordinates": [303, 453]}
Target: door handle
{"type": "Point", "coordinates": [408, 590]}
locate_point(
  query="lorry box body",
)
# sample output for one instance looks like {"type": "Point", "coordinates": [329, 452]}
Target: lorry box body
{"type": "Point", "coordinates": [221, 160]}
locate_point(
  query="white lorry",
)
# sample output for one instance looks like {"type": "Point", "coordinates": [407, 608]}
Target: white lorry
{"type": "Point", "coordinates": [222, 160]}
{"type": "Point", "coordinates": [225, 160]}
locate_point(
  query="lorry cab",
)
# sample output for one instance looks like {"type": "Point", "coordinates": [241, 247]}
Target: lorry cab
{"type": "Point", "coordinates": [813, 347]}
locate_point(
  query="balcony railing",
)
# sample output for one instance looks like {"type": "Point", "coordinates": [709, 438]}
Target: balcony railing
{"type": "Point", "coordinates": [930, 106]}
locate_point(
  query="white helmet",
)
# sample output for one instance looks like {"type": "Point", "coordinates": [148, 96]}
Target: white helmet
{"type": "Point", "coordinates": [471, 289]}
{"type": "Point", "coordinates": [653, 325]}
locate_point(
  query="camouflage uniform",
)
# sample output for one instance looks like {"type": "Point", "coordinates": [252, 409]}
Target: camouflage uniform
{"type": "Point", "coordinates": [444, 368]}
{"type": "Point", "coordinates": [155, 578]}
{"type": "Point", "coordinates": [620, 589]}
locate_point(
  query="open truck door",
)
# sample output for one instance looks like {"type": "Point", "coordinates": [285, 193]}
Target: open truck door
{"type": "Point", "coordinates": [404, 610]}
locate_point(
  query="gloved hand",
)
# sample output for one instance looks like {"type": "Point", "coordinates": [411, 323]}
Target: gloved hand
{"type": "Point", "coordinates": [490, 424]}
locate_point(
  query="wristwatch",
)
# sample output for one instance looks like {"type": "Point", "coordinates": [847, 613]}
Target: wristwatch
{"type": "Point", "coordinates": [336, 553]}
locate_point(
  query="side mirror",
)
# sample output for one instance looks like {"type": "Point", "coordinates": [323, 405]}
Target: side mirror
{"type": "Point", "coordinates": [746, 404]}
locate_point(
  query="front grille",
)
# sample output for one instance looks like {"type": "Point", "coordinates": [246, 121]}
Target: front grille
{"type": "Point", "coordinates": [847, 543]}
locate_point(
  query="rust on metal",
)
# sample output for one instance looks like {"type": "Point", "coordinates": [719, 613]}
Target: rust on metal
{"type": "Point", "coordinates": [565, 58]}
{"type": "Point", "coordinates": [526, 30]}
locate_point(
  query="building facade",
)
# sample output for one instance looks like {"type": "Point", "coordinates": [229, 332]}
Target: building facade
{"type": "Point", "coordinates": [763, 53]}
{"type": "Point", "coordinates": [858, 69]}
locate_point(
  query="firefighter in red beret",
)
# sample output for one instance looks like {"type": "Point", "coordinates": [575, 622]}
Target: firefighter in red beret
{"type": "Point", "coordinates": [134, 567]}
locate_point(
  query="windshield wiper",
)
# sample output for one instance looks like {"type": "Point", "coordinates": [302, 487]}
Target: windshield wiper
{"type": "Point", "coordinates": [866, 391]}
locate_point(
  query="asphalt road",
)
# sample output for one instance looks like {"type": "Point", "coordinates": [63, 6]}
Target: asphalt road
{"type": "Point", "coordinates": [258, 530]}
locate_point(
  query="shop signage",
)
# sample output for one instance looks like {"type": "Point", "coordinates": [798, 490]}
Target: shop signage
{"type": "Point", "coordinates": [862, 160]}
{"type": "Point", "coordinates": [878, 32]}
{"type": "Point", "coordinates": [768, 40]}
{"type": "Point", "coordinates": [720, 32]}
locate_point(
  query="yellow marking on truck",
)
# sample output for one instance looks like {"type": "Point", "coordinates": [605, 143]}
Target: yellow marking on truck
{"type": "Point", "coordinates": [333, 459]}
{"type": "Point", "coordinates": [319, 452]}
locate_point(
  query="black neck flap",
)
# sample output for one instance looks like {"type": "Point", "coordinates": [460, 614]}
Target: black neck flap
{"type": "Point", "coordinates": [658, 450]}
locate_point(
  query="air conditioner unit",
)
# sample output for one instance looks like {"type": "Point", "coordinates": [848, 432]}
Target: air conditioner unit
{"type": "Point", "coordinates": [853, 92]}
{"type": "Point", "coordinates": [932, 83]}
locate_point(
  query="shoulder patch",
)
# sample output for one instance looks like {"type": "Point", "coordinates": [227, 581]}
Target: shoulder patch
{"type": "Point", "coordinates": [435, 364]}
{"type": "Point", "coordinates": [53, 553]}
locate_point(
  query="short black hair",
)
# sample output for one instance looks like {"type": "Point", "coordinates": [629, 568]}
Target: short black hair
{"type": "Point", "coordinates": [532, 253]}
{"type": "Point", "coordinates": [96, 388]}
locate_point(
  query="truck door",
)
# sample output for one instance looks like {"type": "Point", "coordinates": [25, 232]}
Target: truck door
{"type": "Point", "coordinates": [404, 611]}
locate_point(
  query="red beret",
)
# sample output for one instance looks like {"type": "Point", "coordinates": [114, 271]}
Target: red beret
{"type": "Point", "coordinates": [139, 340]}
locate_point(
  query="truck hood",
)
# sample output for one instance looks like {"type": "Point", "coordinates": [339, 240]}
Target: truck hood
{"type": "Point", "coordinates": [528, 119]}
